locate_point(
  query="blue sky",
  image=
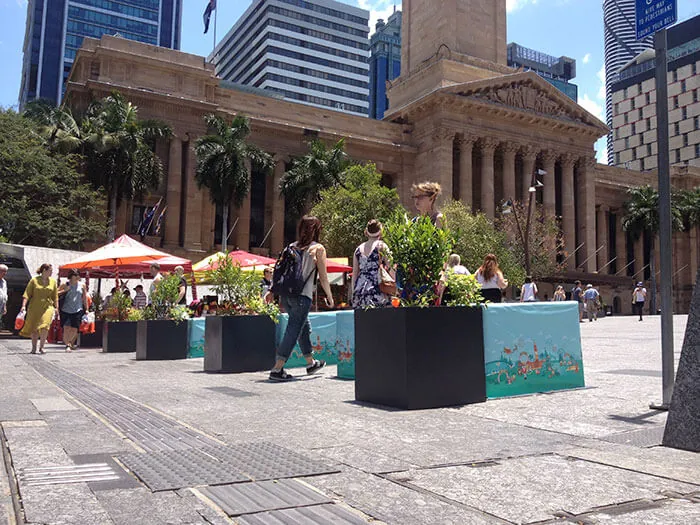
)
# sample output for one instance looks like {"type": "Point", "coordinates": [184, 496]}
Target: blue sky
{"type": "Point", "coordinates": [558, 27]}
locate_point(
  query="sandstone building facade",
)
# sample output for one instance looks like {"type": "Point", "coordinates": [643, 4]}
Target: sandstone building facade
{"type": "Point", "coordinates": [457, 115]}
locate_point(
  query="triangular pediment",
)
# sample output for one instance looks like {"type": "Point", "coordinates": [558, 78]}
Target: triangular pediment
{"type": "Point", "coordinates": [526, 92]}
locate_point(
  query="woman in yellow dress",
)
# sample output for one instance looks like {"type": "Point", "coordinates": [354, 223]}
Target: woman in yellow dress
{"type": "Point", "coordinates": [42, 295]}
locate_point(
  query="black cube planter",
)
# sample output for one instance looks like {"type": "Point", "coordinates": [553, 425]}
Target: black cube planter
{"type": "Point", "coordinates": [119, 336]}
{"type": "Point", "coordinates": [93, 340]}
{"type": "Point", "coordinates": [161, 340]}
{"type": "Point", "coordinates": [416, 358]}
{"type": "Point", "coordinates": [244, 343]}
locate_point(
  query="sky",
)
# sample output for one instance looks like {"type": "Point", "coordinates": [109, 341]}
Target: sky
{"type": "Point", "coordinates": [572, 28]}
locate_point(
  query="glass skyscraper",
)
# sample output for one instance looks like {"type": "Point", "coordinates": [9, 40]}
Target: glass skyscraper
{"type": "Point", "coordinates": [384, 62]}
{"type": "Point", "coordinates": [56, 28]}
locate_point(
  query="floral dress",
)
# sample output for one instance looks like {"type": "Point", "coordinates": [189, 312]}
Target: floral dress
{"type": "Point", "coordinates": [367, 292]}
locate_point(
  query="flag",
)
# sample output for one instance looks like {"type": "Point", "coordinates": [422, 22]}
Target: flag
{"type": "Point", "coordinates": [207, 14]}
{"type": "Point", "coordinates": [159, 222]}
{"type": "Point", "coordinates": [148, 220]}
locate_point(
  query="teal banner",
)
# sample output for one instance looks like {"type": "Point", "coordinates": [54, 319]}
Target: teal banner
{"type": "Point", "coordinates": [323, 339]}
{"type": "Point", "coordinates": [196, 348]}
{"type": "Point", "coordinates": [534, 347]}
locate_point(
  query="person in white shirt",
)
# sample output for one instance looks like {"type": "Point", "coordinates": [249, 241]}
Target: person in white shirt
{"type": "Point", "coordinates": [528, 292]}
{"type": "Point", "coordinates": [3, 292]}
{"type": "Point", "coordinates": [639, 296]}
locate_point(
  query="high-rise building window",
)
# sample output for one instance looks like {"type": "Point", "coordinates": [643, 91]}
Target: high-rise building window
{"type": "Point", "coordinates": [634, 153]}
{"type": "Point", "coordinates": [695, 95]}
{"type": "Point", "coordinates": [632, 103]}
{"type": "Point", "coordinates": [697, 151]}
{"type": "Point", "coordinates": [675, 102]}
{"type": "Point", "coordinates": [676, 128]}
{"type": "Point", "coordinates": [647, 97]}
{"type": "Point", "coordinates": [678, 155]}
{"type": "Point", "coordinates": [627, 142]}
{"type": "Point", "coordinates": [649, 123]}
{"type": "Point", "coordinates": [682, 86]}
{"type": "Point", "coordinates": [696, 123]}
{"type": "Point", "coordinates": [634, 128]}
{"type": "Point", "coordinates": [675, 75]}
{"type": "Point", "coordinates": [617, 158]}
{"type": "Point", "coordinates": [626, 118]}
{"type": "Point", "coordinates": [684, 113]}
{"type": "Point", "coordinates": [648, 150]}
{"type": "Point", "coordinates": [685, 139]}
{"type": "Point", "coordinates": [617, 108]}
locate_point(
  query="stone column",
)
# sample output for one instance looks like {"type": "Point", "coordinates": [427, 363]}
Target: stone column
{"type": "Point", "coordinates": [466, 147]}
{"type": "Point", "coordinates": [568, 211]}
{"type": "Point", "coordinates": [639, 258]}
{"type": "Point", "coordinates": [587, 178]}
{"type": "Point", "coordinates": [443, 145]}
{"type": "Point", "coordinates": [208, 222]}
{"type": "Point", "coordinates": [529, 156]}
{"type": "Point", "coordinates": [193, 203]}
{"type": "Point", "coordinates": [173, 193]}
{"type": "Point", "coordinates": [602, 238]}
{"type": "Point", "coordinates": [620, 244]}
{"type": "Point", "coordinates": [488, 147]}
{"type": "Point", "coordinates": [277, 234]}
{"type": "Point", "coordinates": [549, 192]}
{"type": "Point", "coordinates": [509, 151]}
{"type": "Point", "coordinates": [242, 233]}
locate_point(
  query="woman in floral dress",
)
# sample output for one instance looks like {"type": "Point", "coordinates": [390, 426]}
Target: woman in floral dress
{"type": "Point", "coordinates": [366, 262]}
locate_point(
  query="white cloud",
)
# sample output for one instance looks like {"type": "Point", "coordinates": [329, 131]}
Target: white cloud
{"type": "Point", "coordinates": [601, 78]}
{"type": "Point", "coordinates": [378, 9]}
{"type": "Point", "coordinates": [601, 150]}
{"type": "Point", "coordinates": [586, 58]}
{"type": "Point", "coordinates": [514, 5]}
{"type": "Point", "coordinates": [592, 106]}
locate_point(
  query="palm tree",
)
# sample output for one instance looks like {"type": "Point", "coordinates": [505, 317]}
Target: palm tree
{"type": "Point", "coordinates": [642, 216]}
{"type": "Point", "coordinates": [120, 154]}
{"type": "Point", "coordinates": [222, 166]}
{"type": "Point", "coordinates": [689, 205]}
{"type": "Point", "coordinates": [321, 168]}
{"type": "Point", "coordinates": [57, 127]}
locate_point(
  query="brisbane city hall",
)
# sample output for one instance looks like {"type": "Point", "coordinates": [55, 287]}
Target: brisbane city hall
{"type": "Point", "coordinates": [457, 115]}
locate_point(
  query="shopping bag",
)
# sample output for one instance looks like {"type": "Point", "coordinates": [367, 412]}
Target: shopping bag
{"type": "Point", "coordinates": [87, 323]}
{"type": "Point", "coordinates": [55, 332]}
{"type": "Point", "coordinates": [19, 320]}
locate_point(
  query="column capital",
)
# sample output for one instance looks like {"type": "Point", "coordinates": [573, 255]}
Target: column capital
{"type": "Point", "coordinates": [510, 148]}
{"type": "Point", "coordinates": [567, 160]}
{"type": "Point", "coordinates": [488, 144]}
{"type": "Point", "coordinates": [444, 134]}
{"type": "Point", "coordinates": [549, 155]}
{"type": "Point", "coordinates": [528, 151]}
{"type": "Point", "coordinates": [466, 139]}
{"type": "Point", "coordinates": [603, 208]}
{"type": "Point", "coordinates": [587, 162]}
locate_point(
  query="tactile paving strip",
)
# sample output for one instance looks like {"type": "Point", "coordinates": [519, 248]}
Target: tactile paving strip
{"type": "Point", "coordinates": [262, 496]}
{"type": "Point", "coordinates": [318, 514]}
{"type": "Point", "coordinates": [177, 469]}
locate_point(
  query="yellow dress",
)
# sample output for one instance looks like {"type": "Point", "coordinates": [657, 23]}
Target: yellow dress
{"type": "Point", "coordinates": [40, 311]}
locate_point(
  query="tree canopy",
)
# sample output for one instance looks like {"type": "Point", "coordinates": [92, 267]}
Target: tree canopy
{"type": "Point", "coordinates": [45, 201]}
{"type": "Point", "coordinates": [345, 210]}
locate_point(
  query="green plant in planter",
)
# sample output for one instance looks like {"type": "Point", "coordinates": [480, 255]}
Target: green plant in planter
{"type": "Point", "coordinates": [163, 301]}
{"type": "Point", "coordinates": [97, 303]}
{"type": "Point", "coordinates": [419, 250]}
{"type": "Point", "coordinates": [239, 290]}
{"type": "Point", "coordinates": [134, 314]}
{"type": "Point", "coordinates": [118, 309]}
{"type": "Point", "coordinates": [464, 290]}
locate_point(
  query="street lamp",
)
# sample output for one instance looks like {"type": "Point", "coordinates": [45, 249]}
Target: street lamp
{"type": "Point", "coordinates": [508, 207]}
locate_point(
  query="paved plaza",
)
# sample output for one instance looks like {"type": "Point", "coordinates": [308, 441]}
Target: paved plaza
{"type": "Point", "coordinates": [162, 442]}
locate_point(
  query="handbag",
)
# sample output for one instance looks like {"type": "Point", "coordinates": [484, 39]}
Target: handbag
{"type": "Point", "coordinates": [387, 284]}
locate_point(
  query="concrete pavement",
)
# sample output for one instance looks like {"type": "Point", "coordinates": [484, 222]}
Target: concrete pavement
{"type": "Point", "coordinates": [583, 456]}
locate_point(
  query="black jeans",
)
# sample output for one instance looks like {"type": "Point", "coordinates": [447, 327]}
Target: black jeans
{"type": "Point", "coordinates": [638, 308]}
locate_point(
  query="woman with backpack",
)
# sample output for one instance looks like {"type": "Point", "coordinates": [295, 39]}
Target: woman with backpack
{"type": "Point", "coordinates": [294, 280]}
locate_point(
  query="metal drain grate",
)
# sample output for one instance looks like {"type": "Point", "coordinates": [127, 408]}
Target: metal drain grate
{"type": "Point", "coordinates": [68, 474]}
{"type": "Point", "coordinates": [249, 498]}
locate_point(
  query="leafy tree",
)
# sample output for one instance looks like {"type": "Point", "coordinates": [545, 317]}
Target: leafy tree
{"type": "Point", "coordinates": [476, 236]}
{"type": "Point", "coordinates": [321, 168]}
{"type": "Point", "coordinates": [119, 150]}
{"type": "Point", "coordinates": [344, 211]}
{"type": "Point", "coordinates": [543, 239]}
{"type": "Point", "coordinates": [688, 202]}
{"type": "Point", "coordinates": [642, 216]}
{"type": "Point", "coordinates": [222, 166]}
{"type": "Point", "coordinates": [56, 125]}
{"type": "Point", "coordinates": [44, 200]}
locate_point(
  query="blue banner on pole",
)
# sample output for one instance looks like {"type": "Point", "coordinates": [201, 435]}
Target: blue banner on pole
{"type": "Point", "coordinates": [653, 15]}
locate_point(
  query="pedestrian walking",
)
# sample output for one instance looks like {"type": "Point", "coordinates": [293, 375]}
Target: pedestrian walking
{"type": "Point", "coordinates": [182, 287]}
{"type": "Point", "coordinates": [367, 263]}
{"type": "Point", "coordinates": [528, 292]}
{"type": "Point", "coordinates": [140, 299]}
{"type": "Point", "coordinates": [72, 308]}
{"type": "Point", "coordinates": [559, 294]}
{"type": "Point", "coordinates": [491, 279]}
{"type": "Point", "coordinates": [639, 296]}
{"type": "Point", "coordinates": [424, 196]}
{"type": "Point", "coordinates": [42, 295]}
{"type": "Point", "coordinates": [3, 293]}
{"type": "Point", "coordinates": [591, 297]}
{"type": "Point", "coordinates": [156, 276]}
{"type": "Point", "coordinates": [577, 295]}
{"type": "Point", "coordinates": [294, 281]}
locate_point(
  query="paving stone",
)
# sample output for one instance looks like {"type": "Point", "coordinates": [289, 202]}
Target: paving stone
{"type": "Point", "coordinates": [63, 504]}
{"type": "Point", "coordinates": [52, 404]}
{"type": "Point", "coordinates": [140, 505]}
{"type": "Point", "coordinates": [662, 513]}
{"type": "Point", "coordinates": [364, 459]}
{"type": "Point", "coordinates": [319, 514]}
{"type": "Point", "coordinates": [535, 488]}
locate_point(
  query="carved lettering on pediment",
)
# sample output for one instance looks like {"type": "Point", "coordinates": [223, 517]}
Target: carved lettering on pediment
{"type": "Point", "coordinates": [527, 98]}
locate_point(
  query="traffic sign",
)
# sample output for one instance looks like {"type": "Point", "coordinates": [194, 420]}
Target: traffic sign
{"type": "Point", "coordinates": [652, 15]}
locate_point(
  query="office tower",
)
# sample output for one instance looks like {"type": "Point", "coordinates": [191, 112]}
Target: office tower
{"type": "Point", "coordinates": [557, 71]}
{"type": "Point", "coordinates": [621, 47]}
{"type": "Point", "coordinates": [314, 52]}
{"type": "Point", "coordinates": [56, 28]}
{"type": "Point", "coordinates": [633, 96]}
{"type": "Point", "coordinates": [384, 62]}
